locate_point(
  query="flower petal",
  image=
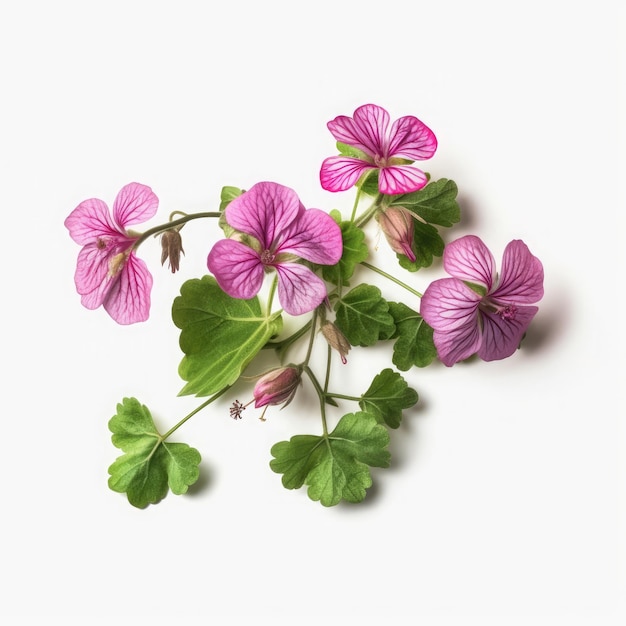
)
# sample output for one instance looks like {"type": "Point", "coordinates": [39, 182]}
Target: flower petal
{"type": "Point", "coordinates": [412, 139]}
{"type": "Point", "coordinates": [400, 179]}
{"type": "Point", "coordinates": [468, 258]}
{"type": "Point", "coordinates": [448, 304]}
{"type": "Point", "coordinates": [134, 204]}
{"type": "Point", "coordinates": [264, 211]}
{"type": "Point", "coordinates": [314, 236]}
{"type": "Point", "coordinates": [90, 221]}
{"type": "Point", "coordinates": [237, 268]}
{"type": "Point", "coordinates": [366, 131]}
{"type": "Point", "coordinates": [299, 289]}
{"type": "Point", "coordinates": [128, 299]}
{"type": "Point", "coordinates": [91, 274]}
{"type": "Point", "coordinates": [339, 173]}
{"type": "Point", "coordinates": [521, 279]}
{"type": "Point", "coordinates": [502, 336]}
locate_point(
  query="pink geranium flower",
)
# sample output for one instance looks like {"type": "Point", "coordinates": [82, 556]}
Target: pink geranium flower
{"type": "Point", "coordinates": [107, 272]}
{"type": "Point", "coordinates": [388, 151]}
{"type": "Point", "coordinates": [491, 318]}
{"type": "Point", "coordinates": [281, 232]}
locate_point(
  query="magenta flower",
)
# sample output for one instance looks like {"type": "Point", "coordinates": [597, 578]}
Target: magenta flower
{"type": "Point", "coordinates": [492, 318]}
{"type": "Point", "coordinates": [277, 386]}
{"type": "Point", "coordinates": [107, 272]}
{"type": "Point", "coordinates": [388, 151]}
{"type": "Point", "coordinates": [281, 232]}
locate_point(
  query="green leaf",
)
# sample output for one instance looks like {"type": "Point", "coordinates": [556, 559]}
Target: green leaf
{"type": "Point", "coordinates": [351, 151]}
{"type": "Point", "coordinates": [219, 335]}
{"type": "Point", "coordinates": [369, 183]}
{"type": "Point", "coordinates": [414, 338]}
{"type": "Point", "coordinates": [435, 203]}
{"type": "Point", "coordinates": [228, 194]}
{"type": "Point", "coordinates": [335, 466]}
{"type": "Point", "coordinates": [362, 315]}
{"type": "Point", "coordinates": [387, 396]}
{"type": "Point", "coordinates": [149, 465]}
{"type": "Point", "coordinates": [354, 251]}
{"type": "Point", "coordinates": [427, 243]}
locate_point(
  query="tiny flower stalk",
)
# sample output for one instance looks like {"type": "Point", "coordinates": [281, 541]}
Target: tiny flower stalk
{"type": "Point", "coordinates": [397, 226]}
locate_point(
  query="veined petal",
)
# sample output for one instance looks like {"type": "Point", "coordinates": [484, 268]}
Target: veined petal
{"type": "Point", "coordinates": [521, 279]}
{"type": "Point", "coordinates": [237, 268]}
{"type": "Point", "coordinates": [316, 237]}
{"type": "Point", "coordinates": [448, 304]}
{"type": "Point", "coordinates": [134, 204]}
{"type": "Point", "coordinates": [502, 336]}
{"type": "Point", "coordinates": [92, 277]}
{"type": "Point", "coordinates": [264, 211]}
{"type": "Point", "coordinates": [412, 139]}
{"type": "Point", "coordinates": [400, 179]}
{"type": "Point", "coordinates": [128, 299]}
{"type": "Point", "coordinates": [366, 131]}
{"type": "Point", "coordinates": [299, 289]}
{"type": "Point", "coordinates": [91, 220]}
{"type": "Point", "coordinates": [457, 345]}
{"type": "Point", "coordinates": [372, 122]}
{"type": "Point", "coordinates": [339, 173]}
{"type": "Point", "coordinates": [468, 258]}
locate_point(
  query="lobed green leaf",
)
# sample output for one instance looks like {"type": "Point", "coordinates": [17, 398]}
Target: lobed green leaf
{"type": "Point", "coordinates": [219, 335]}
{"type": "Point", "coordinates": [150, 465]}
{"type": "Point", "coordinates": [335, 467]}
{"type": "Point", "coordinates": [435, 203]}
{"type": "Point", "coordinates": [387, 396]}
{"type": "Point", "coordinates": [414, 338]}
{"type": "Point", "coordinates": [427, 244]}
{"type": "Point", "coordinates": [355, 250]}
{"type": "Point", "coordinates": [362, 315]}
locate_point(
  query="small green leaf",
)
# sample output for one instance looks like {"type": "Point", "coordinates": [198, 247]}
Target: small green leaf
{"type": "Point", "coordinates": [149, 465]}
{"type": "Point", "coordinates": [362, 315]}
{"type": "Point", "coordinates": [228, 194]}
{"type": "Point", "coordinates": [351, 151]}
{"type": "Point", "coordinates": [369, 183]}
{"type": "Point", "coordinates": [219, 335]}
{"type": "Point", "coordinates": [435, 203]}
{"type": "Point", "coordinates": [414, 338]}
{"type": "Point", "coordinates": [354, 251]}
{"type": "Point", "coordinates": [387, 396]}
{"type": "Point", "coordinates": [334, 467]}
{"type": "Point", "coordinates": [427, 243]}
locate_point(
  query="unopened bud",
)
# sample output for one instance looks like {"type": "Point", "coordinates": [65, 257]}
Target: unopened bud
{"type": "Point", "coordinates": [171, 248]}
{"type": "Point", "coordinates": [397, 225]}
{"type": "Point", "coordinates": [277, 386]}
{"type": "Point", "coordinates": [336, 339]}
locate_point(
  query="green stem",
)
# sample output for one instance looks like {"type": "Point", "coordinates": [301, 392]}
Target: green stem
{"type": "Point", "coordinates": [343, 397]}
{"type": "Point", "coordinates": [283, 344]}
{"type": "Point", "coordinates": [270, 297]}
{"type": "Point", "coordinates": [202, 406]}
{"type": "Point", "coordinates": [172, 224]}
{"type": "Point", "coordinates": [356, 204]}
{"type": "Point", "coordinates": [322, 397]}
{"type": "Point", "coordinates": [391, 278]}
{"type": "Point", "coordinates": [368, 213]}
{"type": "Point", "coordinates": [311, 338]}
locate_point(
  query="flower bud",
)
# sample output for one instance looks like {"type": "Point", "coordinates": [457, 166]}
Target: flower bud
{"type": "Point", "coordinates": [277, 386]}
{"type": "Point", "coordinates": [336, 339]}
{"type": "Point", "coordinates": [171, 247]}
{"type": "Point", "coordinates": [397, 225]}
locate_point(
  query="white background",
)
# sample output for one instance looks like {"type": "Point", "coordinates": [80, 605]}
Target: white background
{"type": "Point", "coordinates": [503, 502]}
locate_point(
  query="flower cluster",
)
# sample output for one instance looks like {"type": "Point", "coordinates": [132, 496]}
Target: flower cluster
{"type": "Point", "coordinates": [315, 263]}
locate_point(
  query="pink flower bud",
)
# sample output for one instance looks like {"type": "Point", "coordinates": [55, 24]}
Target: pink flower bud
{"type": "Point", "coordinates": [397, 225]}
{"type": "Point", "coordinates": [277, 386]}
{"type": "Point", "coordinates": [171, 247]}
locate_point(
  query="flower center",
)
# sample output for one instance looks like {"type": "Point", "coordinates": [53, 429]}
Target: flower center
{"type": "Point", "coordinates": [505, 311]}
{"type": "Point", "coordinates": [267, 257]}
{"type": "Point", "coordinates": [380, 161]}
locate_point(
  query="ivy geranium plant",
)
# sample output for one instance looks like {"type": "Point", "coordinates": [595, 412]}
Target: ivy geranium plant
{"type": "Point", "coordinates": [306, 259]}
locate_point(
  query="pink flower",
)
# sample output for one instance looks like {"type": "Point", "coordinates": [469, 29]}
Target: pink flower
{"type": "Point", "coordinates": [281, 232]}
{"type": "Point", "coordinates": [388, 151]}
{"type": "Point", "coordinates": [491, 318]}
{"type": "Point", "coordinates": [107, 272]}
{"type": "Point", "coordinates": [397, 225]}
